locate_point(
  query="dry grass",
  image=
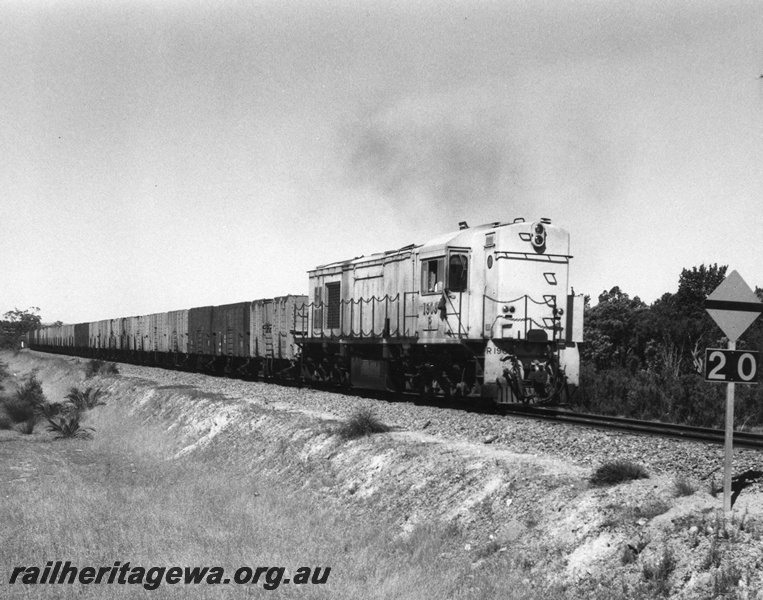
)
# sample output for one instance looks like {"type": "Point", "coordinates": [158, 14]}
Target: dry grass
{"type": "Point", "coordinates": [618, 471]}
{"type": "Point", "coordinates": [683, 487]}
{"type": "Point", "coordinates": [99, 367]}
{"type": "Point", "coordinates": [726, 579]}
{"type": "Point", "coordinates": [122, 497]}
{"type": "Point", "coordinates": [361, 423]}
{"type": "Point", "coordinates": [658, 573]}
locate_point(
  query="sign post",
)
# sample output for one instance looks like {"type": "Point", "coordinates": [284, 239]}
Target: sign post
{"type": "Point", "coordinates": [728, 441]}
{"type": "Point", "coordinates": [734, 307]}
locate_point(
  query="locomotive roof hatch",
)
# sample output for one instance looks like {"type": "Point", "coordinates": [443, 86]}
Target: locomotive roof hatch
{"type": "Point", "coordinates": [460, 239]}
{"type": "Point", "coordinates": [351, 263]}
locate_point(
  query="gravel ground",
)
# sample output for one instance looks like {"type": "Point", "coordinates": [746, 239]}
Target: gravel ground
{"type": "Point", "coordinates": [581, 446]}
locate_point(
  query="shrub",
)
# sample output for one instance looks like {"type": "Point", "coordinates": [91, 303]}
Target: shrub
{"type": "Point", "coordinates": [488, 550]}
{"type": "Point", "coordinates": [362, 422]}
{"type": "Point", "coordinates": [684, 487]}
{"type": "Point", "coordinates": [69, 427]}
{"type": "Point", "coordinates": [93, 368]}
{"type": "Point", "coordinates": [50, 410]}
{"type": "Point", "coordinates": [23, 405]}
{"type": "Point", "coordinates": [650, 395]}
{"type": "Point", "coordinates": [726, 579]}
{"type": "Point", "coordinates": [27, 427]}
{"type": "Point", "coordinates": [3, 373]}
{"type": "Point", "coordinates": [18, 410]}
{"type": "Point", "coordinates": [652, 509]}
{"type": "Point", "coordinates": [86, 399]}
{"type": "Point", "coordinates": [5, 420]}
{"type": "Point", "coordinates": [99, 367]}
{"type": "Point", "coordinates": [713, 556]}
{"type": "Point", "coordinates": [659, 573]}
{"type": "Point", "coordinates": [30, 392]}
{"type": "Point", "coordinates": [618, 471]}
{"type": "Point", "coordinates": [629, 555]}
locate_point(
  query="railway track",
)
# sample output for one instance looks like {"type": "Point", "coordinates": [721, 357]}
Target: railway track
{"type": "Point", "coordinates": [634, 426]}
{"type": "Point", "coordinates": [708, 435]}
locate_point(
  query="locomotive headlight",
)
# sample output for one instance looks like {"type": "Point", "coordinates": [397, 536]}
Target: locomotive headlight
{"type": "Point", "coordinates": [558, 312]}
{"type": "Point", "coordinates": [508, 309]}
{"type": "Point", "coordinates": [539, 237]}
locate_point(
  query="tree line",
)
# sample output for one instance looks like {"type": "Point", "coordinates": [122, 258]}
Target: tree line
{"type": "Point", "coordinates": [16, 324]}
{"type": "Point", "coordinates": [646, 361]}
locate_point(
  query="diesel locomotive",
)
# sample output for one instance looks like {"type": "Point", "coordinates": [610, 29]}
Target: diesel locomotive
{"type": "Point", "coordinates": [481, 312]}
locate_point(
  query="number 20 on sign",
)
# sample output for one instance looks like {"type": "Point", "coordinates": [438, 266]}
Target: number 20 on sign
{"type": "Point", "coordinates": [731, 366]}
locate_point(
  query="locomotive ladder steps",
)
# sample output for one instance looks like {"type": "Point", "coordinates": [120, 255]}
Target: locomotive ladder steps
{"type": "Point", "coordinates": [229, 342]}
{"type": "Point", "coordinates": [269, 345]}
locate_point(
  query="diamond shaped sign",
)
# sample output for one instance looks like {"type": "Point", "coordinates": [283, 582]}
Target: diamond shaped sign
{"type": "Point", "coordinates": [733, 306]}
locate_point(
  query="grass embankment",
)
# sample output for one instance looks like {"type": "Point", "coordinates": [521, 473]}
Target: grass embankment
{"type": "Point", "coordinates": [119, 497]}
{"type": "Point", "coordinates": [127, 495]}
{"type": "Point", "coordinates": [177, 476]}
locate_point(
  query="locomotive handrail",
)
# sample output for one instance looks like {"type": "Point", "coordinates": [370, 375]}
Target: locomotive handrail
{"type": "Point", "coordinates": [310, 316]}
{"type": "Point", "coordinates": [517, 320]}
{"type": "Point", "coordinates": [508, 255]}
{"type": "Point", "coordinates": [524, 297]}
{"type": "Point", "coordinates": [549, 301]}
{"type": "Point", "coordinates": [461, 331]}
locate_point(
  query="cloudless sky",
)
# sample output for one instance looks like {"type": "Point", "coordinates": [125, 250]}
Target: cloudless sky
{"type": "Point", "coordinates": [157, 155]}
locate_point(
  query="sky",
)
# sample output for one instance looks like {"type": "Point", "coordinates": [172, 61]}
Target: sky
{"type": "Point", "coordinates": [158, 155]}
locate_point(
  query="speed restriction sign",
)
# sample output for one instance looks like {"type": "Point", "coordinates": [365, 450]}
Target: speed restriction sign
{"type": "Point", "coordinates": [731, 366]}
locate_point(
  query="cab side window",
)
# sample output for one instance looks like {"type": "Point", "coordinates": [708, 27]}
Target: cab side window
{"type": "Point", "coordinates": [432, 276]}
{"type": "Point", "coordinates": [458, 273]}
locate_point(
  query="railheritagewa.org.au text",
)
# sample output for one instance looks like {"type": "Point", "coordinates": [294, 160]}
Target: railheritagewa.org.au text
{"type": "Point", "coordinates": [150, 578]}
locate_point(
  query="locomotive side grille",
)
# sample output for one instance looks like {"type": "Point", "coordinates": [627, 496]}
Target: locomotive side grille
{"type": "Point", "coordinates": [333, 297]}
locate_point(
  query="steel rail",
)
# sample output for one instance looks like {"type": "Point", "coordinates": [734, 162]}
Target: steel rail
{"type": "Point", "coordinates": [742, 439]}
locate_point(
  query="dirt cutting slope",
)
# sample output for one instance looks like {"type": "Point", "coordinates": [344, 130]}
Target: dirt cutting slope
{"type": "Point", "coordinates": [536, 511]}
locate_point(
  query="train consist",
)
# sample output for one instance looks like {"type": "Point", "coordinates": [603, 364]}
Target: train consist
{"type": "Point", "coordinates": [482, 312]}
